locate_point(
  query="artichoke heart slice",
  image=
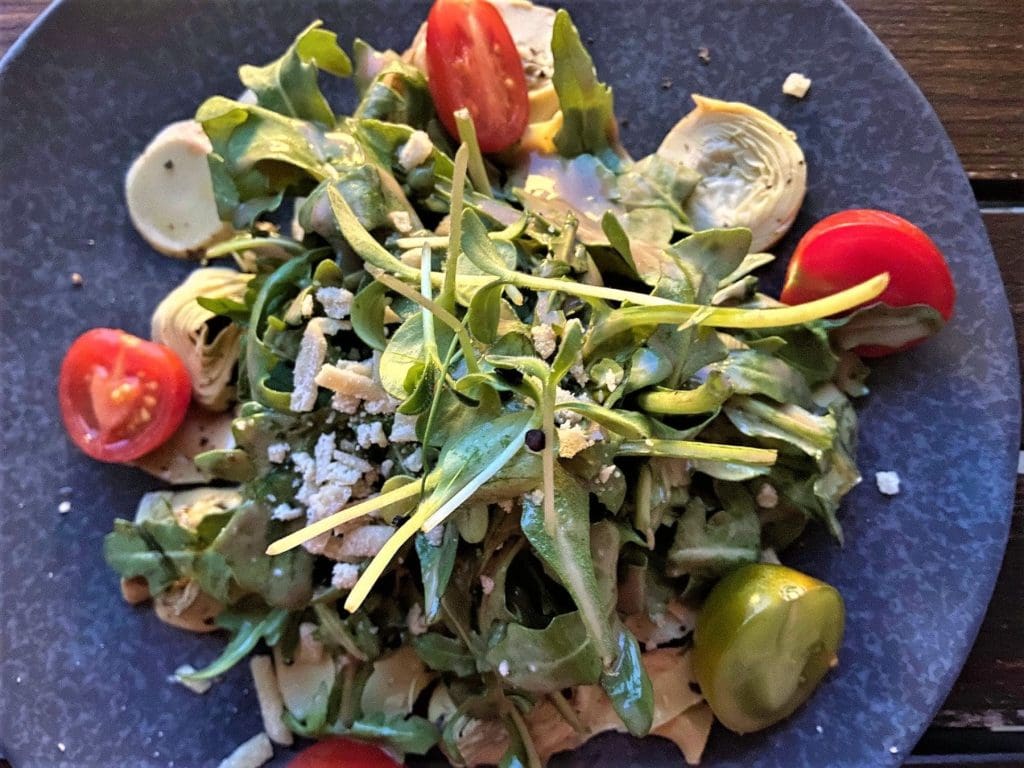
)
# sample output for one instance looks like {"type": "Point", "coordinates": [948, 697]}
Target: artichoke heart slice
{"type": "Point", "coordinates": [209, 351]}
{"type": "Point", "coordinates": [753, 171]}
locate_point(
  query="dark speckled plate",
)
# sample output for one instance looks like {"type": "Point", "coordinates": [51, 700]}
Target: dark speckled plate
{"type": "Point", "coordinates": [83, 675]}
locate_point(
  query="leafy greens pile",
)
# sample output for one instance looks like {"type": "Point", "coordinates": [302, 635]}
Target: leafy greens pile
{"type": "Point", "coordinates": [587, 460]}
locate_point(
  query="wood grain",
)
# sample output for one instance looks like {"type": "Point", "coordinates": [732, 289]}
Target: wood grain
{"type": "Point", "coordinates": [966, 57]}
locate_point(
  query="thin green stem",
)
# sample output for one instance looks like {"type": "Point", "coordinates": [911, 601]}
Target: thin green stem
{"type": "Point", "coordinates": [548, 458]}
{"type": "Point", "coordinates": [467, 135]}
{"type": "Point", "coordinates": [690, 449]}
{"type": "Point", "coordinates": [248, 242]}
{"type": "Point", "coordinates": [451, 266]}
{"type": "Point", "coordinates": [439, 312]}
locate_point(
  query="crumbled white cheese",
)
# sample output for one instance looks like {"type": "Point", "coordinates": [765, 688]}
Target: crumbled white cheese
{"type": "Point", "coordinates": [61, 746]}
{"type": "Point", "coordinates": [536, 496]}
{"type": "Point", "coordinates": [579, 373]}
{"type": "Point", "coordinates": [196, 686]}
{"type": "Point", "coordinates": [769, 555]}
{"type": "Point", "coordinates": [355, 385]}
{"type": "Point", "coordinates": [403, 430]}
{"type": "Point", "coordinates": [487, 584]}
{"type": "Point", "coordinates": [64, 507]}
{"type": "Point", "coordinates": [364, 542]}
{"type": "Point", "coordinates": [337, 302]}
{"type": "Point", "coordinates": [269, 697]}
{"type": "Point", "coordinates": [307, 305]}
{"type": "Point", "coordinates": [571, 440]}
{"type": "Point", "coordinates": [344, 575]}
{"type": "Point", "coordinates": [371, 433]}
{"type": "Point", "coordinates": [434, 536]}
{"type": "Point", "coordinates": [401, 221]}
{"type": "Point", "coordinates": [606, 472]}
{"type": "Point", "coordinates": [767, 496]}
{"type": "Point", "coordinates": [250, 754]}
{"type": "Point", "coordinates": [286, 512]}
{"type": "Point", "coordinates": [503, 668]}
{"type": "Point", "coordinates": [506, 505]}
{"type": "Point", "coordinates": [415, 620]}
{"type": "Point", "coordinates": [309, 650]}
{"type": "Point", "coordinates": [414, 461]}
{"type": "Point", "coordinates": [277, 452]}
{"type": "Point", "coordinates": [386, 467]}
{"type": "Point", "coordinates": [796, 85]}
{"type": "Point", "coordinates": [415, 151]}
{"type": "Point", "coordinates": [888, 482]}
{"type": "Point", "coordinates": [544, 340]}
{"type": "Point", "coordinates": [312, 351]}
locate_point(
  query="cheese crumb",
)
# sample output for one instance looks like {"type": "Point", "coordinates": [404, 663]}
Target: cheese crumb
{"type": "Point", "coordinates": [371, 433]}
{"type": "Point", "coordinates": [344, 575]}
{"type": "Point", "coordinates": [767, 496]}
{"type": "Point", "coordinates": [277, 452]}
{"type": "Point", "coordinates": [503, 668]}
{"type": "Point", "coordinates": [60, 746]}
{"type": "Point", "coordinates": [64, 507]}
{"type": "Point", "coordinates": [414, 461]}
{"type": "Point", "coordinates": [250, 754]}
{"type": "Point", "coordinates": [487, 584]}
{"type": "Point", "coordinates": [196, 686]}
{"type": "Point", "coordinates": [415, 151]}
{"type": "Point", "coordinates": [403, 430]}
{"type": "Point", "coordinates": [796, 85]}
{"type": "Point", "coordinates": [572, 440]}
{"type": "Point", "coordinates": [605, 473]}
{"type": "Point", "coordinates": [401, 221]}
{"type": "Point", "coordinates": [312, 351]}
{"type": "Point", "coordinates": [544, 340]}
{"type": "Point", "coordinates": [286, 512]}
{"type": "Point", "coordinates": [888, 482]}
{"type": "Point", "coordinates": [337, 302]}
{"type": "Point", "coordinates": [415, 620]}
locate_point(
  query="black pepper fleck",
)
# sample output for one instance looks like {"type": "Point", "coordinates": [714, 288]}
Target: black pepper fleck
{"type": "Point", "coordinates": [535, 440]}
{"type": "Point", "coordinates": [169, 165]}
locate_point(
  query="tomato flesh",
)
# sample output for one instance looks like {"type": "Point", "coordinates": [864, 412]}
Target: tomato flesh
{"type": "Point", "coordinates": [472, 62]}
{"type": "Point", "coordinates": [343, 753]}
{"type": "Point", "coordinates": [847, 248]}
{"type": "Point", "coordinates": [121, 396]}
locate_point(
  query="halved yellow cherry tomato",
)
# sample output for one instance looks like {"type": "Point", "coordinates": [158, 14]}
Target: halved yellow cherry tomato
{"type": "Point", "coordinates": [765, 638]}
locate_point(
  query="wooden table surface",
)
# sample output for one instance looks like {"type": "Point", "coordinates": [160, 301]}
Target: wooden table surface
{"type": "Point", "coordinates": [968, 58]}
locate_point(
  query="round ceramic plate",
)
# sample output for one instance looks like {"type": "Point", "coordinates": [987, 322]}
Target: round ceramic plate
{"type": "Point", "coordinates": [84, 676]}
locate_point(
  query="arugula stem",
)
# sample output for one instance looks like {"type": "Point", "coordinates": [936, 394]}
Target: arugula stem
{"type": "Point", "coordinates": [429, 337]}
{"type": "Point", "coordinates": [313, 530]}
{"type": "Point", "coordinates": [467, 135]}
{"type": "Point", "coordinates": [489, 471]}
{"type": "Point", "coordinates": [707, 397]}
{"type": "Point", "coordinates": [248, 242]}
{"type": "Point", "coordinates": [787, 417]}
{"type": "Point", "coordinates": [548, 458]}
{"type": "Point", "coordinates": [532, 758]}
{"type": "Point", "coordinates": [567, 712]}
{"type": "Point", "coordinates": [451, 265]}
{"type": "Point", "coordinates": [335, 630]}
{"type": "Point", "coordinates": [672, 313]}
{"type": "Point", "coordinates": [442, 314]}
{"type": "Point", "coordinates": [690, 449]}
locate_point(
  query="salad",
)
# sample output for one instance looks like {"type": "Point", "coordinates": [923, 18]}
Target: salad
{"type": "Point", "coordinates": [480, 435]}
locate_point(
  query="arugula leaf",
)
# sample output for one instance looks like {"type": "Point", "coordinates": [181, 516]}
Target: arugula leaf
{"type": "Point", "coordinates": [587, 104]}
{"type": "Point", "coordinates": [711, 547]}
{"type": "Point", "coordinates": [445, 654]}
{"type": "Point", "coordinates": [558, 656]}
{"type": "Point", "coordinates": [284, 581]}
{"type": "Point", "coordinates": [247, 630]}
{"type": "Point", "coordinates": [413, 734]}
{"type": "Point", "coordinates": [436, 563]}
{"type": "Point", "coordinates": [658, 182]}
{"type": "Point", "coordinates": [289, 84]}
{"type": "Point", "coordinates": [161, 553]}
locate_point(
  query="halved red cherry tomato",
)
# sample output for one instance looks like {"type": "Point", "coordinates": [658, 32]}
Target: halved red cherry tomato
{"type": "Point", "coordinates": [121, 396]}
{"type": "Point", "coordinates": [472, 62]}
{"type": "Point", "coordinates": [343, 753]}
{"type": "Point", "coordinates": [846, 248]}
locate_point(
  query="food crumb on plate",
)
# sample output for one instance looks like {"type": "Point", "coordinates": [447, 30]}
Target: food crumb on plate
{"type": "Point", "coordinates": [704, 54]}
{"type": "Point", "coordinates": [196, 686]}
{"type": "Point", "coordinates": [796, 85]}
{"type": "Point", "coordinates": [61, 746]}
{"type": "Point", "coordinates": [64, 507]}
{"type": "Point", "coordinates": [888, 483]}
{"type": "Point", "coordinates": [77, 279]}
